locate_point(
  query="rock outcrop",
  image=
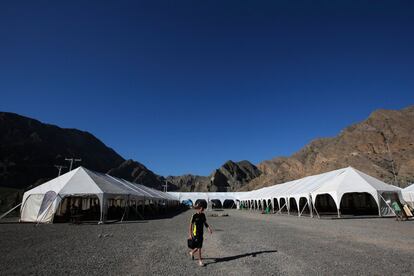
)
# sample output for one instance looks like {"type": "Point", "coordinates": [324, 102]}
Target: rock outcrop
{"type": "Point", "coordinates": [231, 176]}
{"type": "Point", "coordinates": [136, 172]}
{"type": "Point", "coordinates": [381, 146]}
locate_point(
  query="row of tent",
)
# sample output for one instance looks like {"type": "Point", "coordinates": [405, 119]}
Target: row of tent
{"type": "Point", "coordinates": [335, 191]}
{"type": "Point", "coordinates": [86, 190]}
{"type": "Point", "coordinates": [343, 191]}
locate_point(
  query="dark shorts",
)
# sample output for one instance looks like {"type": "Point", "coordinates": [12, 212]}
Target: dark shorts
{"type": "Point", "coordinates": [198, 242]}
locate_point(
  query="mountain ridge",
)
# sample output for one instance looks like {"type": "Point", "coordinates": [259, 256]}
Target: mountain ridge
{"type": "Point", "coordinates": [380, 145]}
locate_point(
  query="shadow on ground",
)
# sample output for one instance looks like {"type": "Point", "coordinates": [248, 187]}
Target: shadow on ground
{"type": "Point", "coordinates": [232, 258]}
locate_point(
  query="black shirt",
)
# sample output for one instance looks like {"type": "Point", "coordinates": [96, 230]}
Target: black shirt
{"type": "Point", "coordinates": [198, 220]}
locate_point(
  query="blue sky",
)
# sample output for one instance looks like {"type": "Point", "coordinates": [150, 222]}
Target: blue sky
{"type": "Point", "coordinates": [183, 86]}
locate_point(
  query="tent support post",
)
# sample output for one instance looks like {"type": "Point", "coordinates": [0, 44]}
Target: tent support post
{"type": "Point", "coordinates": [310, 206]}
{"type": "Point", "coordinates": [143, 207]}
{"type": "Point", "coordinates": [316, 211]}
{"type": "Point", "coordinates": [303, 209]}
{"type": "Point", "coordinates": [9, 211]}
{"type": "Point", "coordinates": [339, 213]}
{"type": "Point", "coordinates": [281, 208]}
{"type": "Point", "coordinates": [392, 210]}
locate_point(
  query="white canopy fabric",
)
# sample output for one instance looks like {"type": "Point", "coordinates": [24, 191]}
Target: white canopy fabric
{"type": "Point", "coordinates": [408, 194]}
{"type": "Point", "coordinates": [40, 203]}
{"type": "Point", "coordinates": [207, 196]}
{"type": "Point", "coordinates": [335, 183]}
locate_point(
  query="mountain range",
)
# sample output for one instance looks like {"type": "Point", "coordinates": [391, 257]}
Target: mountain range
{"type": "Point", "coordinates": [382, 146]}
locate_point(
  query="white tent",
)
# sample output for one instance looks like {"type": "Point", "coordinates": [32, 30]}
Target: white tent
{"type": "Point", "coordinates": [41, 203]}
{"type": "Point", "coordinates": [208, 196]}
{"type": "Point", "coordinates": [408, 194]}
{"type": "Point", "coordinates": [304, 192]}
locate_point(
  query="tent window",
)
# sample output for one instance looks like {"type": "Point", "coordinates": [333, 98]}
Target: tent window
{"type": "Point", "coordinates": [358, 204]}
{"type": "Point", "coordinates": [229, 204]}
{"type": "Point", "coordinates": [293, 207]}
{"type": "Point", "coordinates": [283, 206]}
{"type": "Point", "coordinates": [275, 204]}
{"type": "Point", "coordinates": [216, 204]}
{"type": "Point", "coordinates": [87, 208]}
{"type": "Point", "coordinates": [325, 204]}
{"type": "Point", "coordinates": [201, 201]}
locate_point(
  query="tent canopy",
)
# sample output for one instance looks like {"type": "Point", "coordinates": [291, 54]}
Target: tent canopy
{"type": "Point", "coordinates": [40, 203]}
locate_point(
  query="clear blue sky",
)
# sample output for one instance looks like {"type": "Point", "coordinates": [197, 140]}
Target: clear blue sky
{"type": "Point", "coordinates": [183, 86]}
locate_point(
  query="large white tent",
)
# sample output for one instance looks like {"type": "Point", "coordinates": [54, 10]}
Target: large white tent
{"type": "Point", "coordinates": [408, 195]}
{"type": "Point", "coordinates": [305, 192]}
{"type": "Point", "coordinates": [42, 202]}
{"type": "Point", "coordinates": [339, 189]}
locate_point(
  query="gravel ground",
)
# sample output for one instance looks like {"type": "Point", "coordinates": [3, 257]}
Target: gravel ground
{"type": "Point", "coordinates": [244, 243]}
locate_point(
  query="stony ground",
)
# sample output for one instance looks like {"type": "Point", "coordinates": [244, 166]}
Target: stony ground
{"type": "Point", "coordinates": [243, 243]}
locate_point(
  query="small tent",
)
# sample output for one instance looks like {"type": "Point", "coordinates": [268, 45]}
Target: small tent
{"type": "Point", "coordinates": [91, 189]}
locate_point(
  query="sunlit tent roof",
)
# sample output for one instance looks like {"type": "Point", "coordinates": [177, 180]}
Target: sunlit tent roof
{"type": "Point", "coordinates": [336, 183]}
{"type": "Point", "coordinates": [40, 203]}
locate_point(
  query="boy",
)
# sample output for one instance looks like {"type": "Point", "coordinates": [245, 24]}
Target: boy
{"type": "Point", "coordinates": [198, 221]}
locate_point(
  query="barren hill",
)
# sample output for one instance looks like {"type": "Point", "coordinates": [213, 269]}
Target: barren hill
{"type": "Point", "coordinates": [231, 176]}
{"type": "Point", "coordinates": [381, 146]}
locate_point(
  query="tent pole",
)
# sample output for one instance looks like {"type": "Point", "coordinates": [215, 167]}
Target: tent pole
{"type": "Point", "coordinates": [11, 210]}
{"type": "Point", "coordinates": [143, 207]}
{"type": "Point", "coordinates": [316, 211]}
{"type": "Point", "coordinates": [392, 210]}
{"type": "Point", "coordinates": [303, 209]}
{"type": "Point", "coordinates": [281, 208]}
{"type": "Point", "coordinates": [310, 206]}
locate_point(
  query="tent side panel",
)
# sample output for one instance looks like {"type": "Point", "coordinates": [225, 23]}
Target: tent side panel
{"type": "Point", "coordinates": [31, 207]}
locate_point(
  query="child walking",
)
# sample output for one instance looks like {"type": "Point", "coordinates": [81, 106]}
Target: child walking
{"type": "Point", "coordinates": [198, 221]}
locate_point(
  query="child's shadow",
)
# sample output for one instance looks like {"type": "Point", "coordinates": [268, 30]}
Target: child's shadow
{"type": "Point", "coordinates": [231, 258]}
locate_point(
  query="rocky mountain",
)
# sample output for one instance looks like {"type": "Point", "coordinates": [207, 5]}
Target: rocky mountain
{"type": "Point", "coordinates": [29, 150]}
{"type": "Point", "coordinates": [188, 183]}
{"type": "Point", "coordinates": [381, 146]}
{"type": "Point", "coordinates": [231, 176]}
{"type": "Point", "coordinates": [136, 172]}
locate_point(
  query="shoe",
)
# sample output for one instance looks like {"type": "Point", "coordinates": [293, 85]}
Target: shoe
{"type": "Point", "coordinates": [192, 256]}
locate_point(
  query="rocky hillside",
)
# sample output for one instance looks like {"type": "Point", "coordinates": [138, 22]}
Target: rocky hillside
{"type": "Point", "coordinates": [188, 183]}
{"type": "Point", "coordinates": [136, 172]}
{"type": "Point", "coordinates": [29, 150]}
{"type": "Point", "coordinates": [379, 146]}
{"type": "Point", "coordinates": [231, 176]}
{"type": "Point", "coordinates": [382, 145]}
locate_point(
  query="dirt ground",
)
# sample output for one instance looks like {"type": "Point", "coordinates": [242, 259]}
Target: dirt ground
{"type": "Point", "coordinates": [243, 243]}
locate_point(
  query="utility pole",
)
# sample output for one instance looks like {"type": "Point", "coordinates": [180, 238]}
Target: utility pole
{"type": "Point", "coordinates": [390, 156]}
{"type": "Point", "coordinates": [59, 167]}
{"type": "Point", "coordinates": [72, 160]}
{"type": "Point", "coordinates": [392, 164]}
